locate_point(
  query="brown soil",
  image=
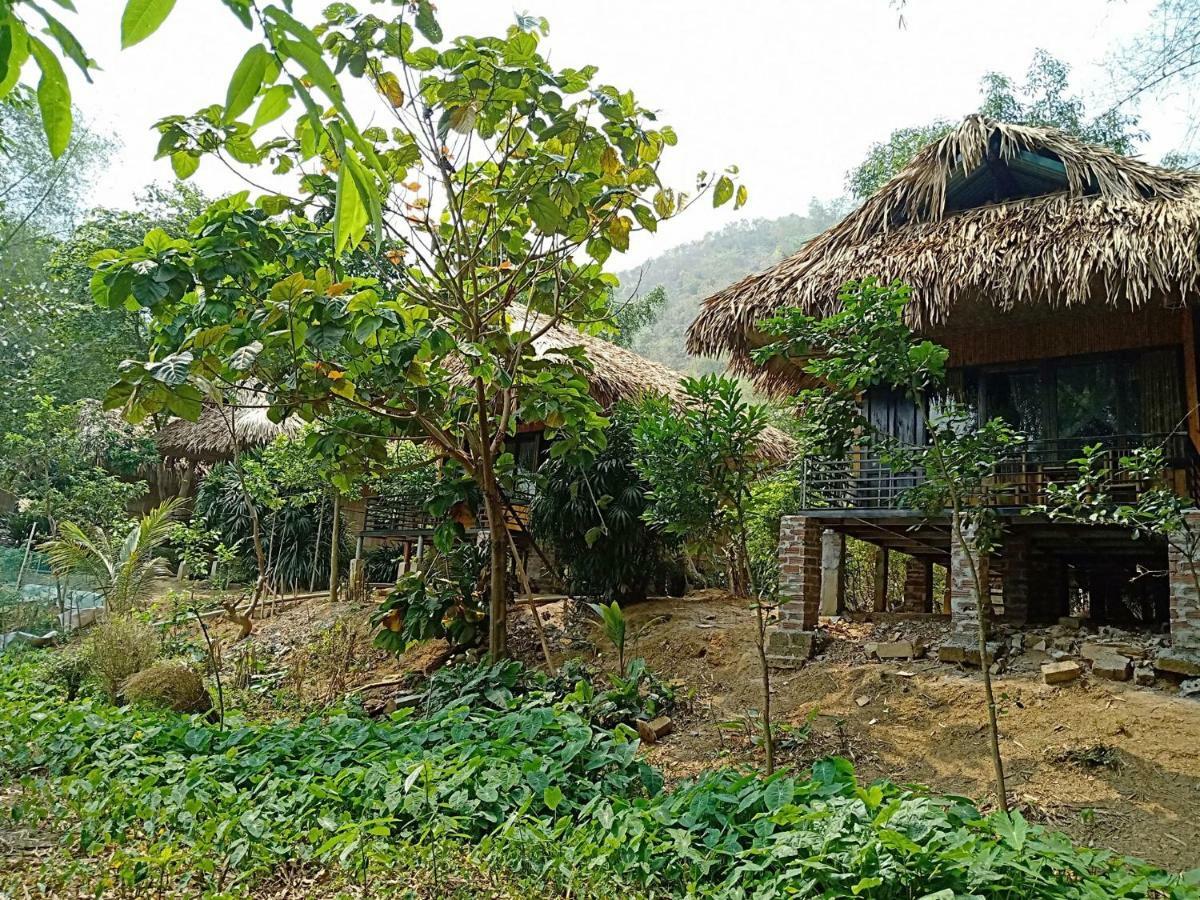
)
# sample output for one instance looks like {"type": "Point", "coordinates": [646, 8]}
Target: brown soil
{"type": "Point", "coordinates": [924, 722]}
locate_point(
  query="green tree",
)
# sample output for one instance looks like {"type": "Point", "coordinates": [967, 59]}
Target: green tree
{"type": "Point", "coordinates": [868, 343]}
{"type": "Point", "coordinates": [701, 464]}
{"type": "Point", "coordinates": [637, 313]}
{"type": "Point", "coordinates": [412, 278]}
{"type": "Point", "coordinates": [1044, 98]}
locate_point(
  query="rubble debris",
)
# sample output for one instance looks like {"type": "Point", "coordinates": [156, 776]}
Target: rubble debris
{"type": "Point", "coordinates": [1178, 662]}
{"type": "Point", "coordinates": [862, 701]}
{"type": "Point", "coordinates": [964, 648]}
{"type": "Point", "coordinates": [897, 649]}
{"type": "Point", "coordinates": [1112, 666]}
{"type": "Point", "coordinates": [1144, 675]}
{"type": "Point", "coordinates": [1190, 688]}
{"type": "Point", "coordinates": [1061, 672]}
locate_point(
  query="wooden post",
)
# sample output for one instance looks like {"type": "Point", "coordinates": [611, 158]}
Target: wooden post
{"type": "Point", "coordinates": [879, 594]}
{"type": "Point", "coordinates": [833, 572]}
{"type": "Point", "coordinates": [25, 558]}
{"type": "Point", "coordinates": [407, 557]}
{"type": "Point", "coordinates": [334, 538]}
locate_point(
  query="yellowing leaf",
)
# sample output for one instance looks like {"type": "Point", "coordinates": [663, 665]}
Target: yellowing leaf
{"type": "Point", "coordinates": [610, 163]}
{"type": "Point", "coordinates": [389, 85]}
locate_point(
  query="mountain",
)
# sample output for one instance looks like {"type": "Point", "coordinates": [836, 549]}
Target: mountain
{"type": "Point", "coordinates": [690, 272]}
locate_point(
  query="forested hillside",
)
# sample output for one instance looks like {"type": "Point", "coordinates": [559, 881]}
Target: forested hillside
{"type": "Point", "coordinates": [690, 272]}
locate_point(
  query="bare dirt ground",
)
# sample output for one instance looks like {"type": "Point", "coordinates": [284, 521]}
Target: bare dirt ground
{"type": "Point", "coordinates": [1112, 764]}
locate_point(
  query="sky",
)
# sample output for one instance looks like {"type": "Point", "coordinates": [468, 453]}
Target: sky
{"type": "Point", "coordinates": [793, 92]}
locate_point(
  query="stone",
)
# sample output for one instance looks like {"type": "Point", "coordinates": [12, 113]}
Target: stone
{"type": "Point", "coordinates": [789, 648]}
{"type": "Point", "coordinates": [1072, 622]}
{"type": "Point", "coordinates": [1040, 646]}
{"type": "Point", "coordinates": [1016, 643]}
{"type": "Point", "coordinates": [964, 648]}
{"type": "Point", "coordinates": [1089, 650]}
{"type": "Point", "coordinates": [1190, 689]}
{"type": "Point", "coordinates": [1061, 672]}
{"type": "Point", "coordinates": [1112, 666]}
{"type": "Point", "coordinates": [900, 650]}
{"type": "Point", "coordinates": [1064, 643]}
{"type": "Point", "coordinates": [1144, 675]}
{"type": "Point", "coordinates": [655, 730]}
{"type": "Point", "coordinates": [1178, 662]}
{"type": "Point", "coordinates": [1059, 655]}
{"type": "Point", "coordinates": [862, 701]}
{"type": "Point", "coordinates": [871, 648]}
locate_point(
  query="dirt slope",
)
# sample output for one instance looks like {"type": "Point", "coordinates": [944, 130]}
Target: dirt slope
{"type": "Point", "coordinates": [1135, 787]}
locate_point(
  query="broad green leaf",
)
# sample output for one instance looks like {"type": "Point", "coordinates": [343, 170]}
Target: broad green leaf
{"type": "Point", "coordinates": [274, 103]}
{"type": "Point", "coordinates": [70, 44]}
{"type": "Point", "coordinates": [350, 215]}
{"type": "Point", "coordinates": [184, 164]}
{"type": "Point", "coordinates": [142, 18]}
{"type": "Point", "coordinates": [552, 796]}
{"type": "Point", "coordinates": [246, 82]}
{"type": "Point", "coordinates": [723, 192]}
{"type": "Point", "coordinates": [243, 357]}
{"type": "Point", "coordinates": [53, 96]}
{"type": "Point", "coordinates": [14, 50]}
{"type": "Point", "coordinates": [427, 23]}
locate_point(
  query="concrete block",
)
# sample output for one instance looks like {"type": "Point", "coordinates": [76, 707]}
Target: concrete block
{"type": "Point", "coordinates": [900, 650]}
{"type": "Point", "coordinates": [786, 647]}
{"type": "Point", "coordinates": [1112, 666]}
{"type": "Point", "coordinates": [1061, 672]}
{"type": "Point", "coordinates": [1178, 662]}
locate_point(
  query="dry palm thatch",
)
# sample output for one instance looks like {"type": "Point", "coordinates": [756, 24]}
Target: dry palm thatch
{"type": "Point", "coordinates": [211, 437]}
{"type": "Point", "coordinates": [618, 374]}
{"type": "Point", "coordinates": [991, 215]}
{"type": "Point", "coordinates": [615, 374]}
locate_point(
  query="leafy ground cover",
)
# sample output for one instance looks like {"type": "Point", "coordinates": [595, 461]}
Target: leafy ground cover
{"type": "Point", "coordinates": [511, 770]}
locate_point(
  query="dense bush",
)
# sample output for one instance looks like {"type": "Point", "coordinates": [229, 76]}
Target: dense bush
{"type": "Point", "coordinates": [533, 786]}
{"type": "Point", "coordinates": [116, 648]}
{"type": "Point", "coordinates": [592, 518]}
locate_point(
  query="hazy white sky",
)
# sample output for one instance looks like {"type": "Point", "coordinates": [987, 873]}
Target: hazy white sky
{"type": "Point", "coordinates": [793, 91]}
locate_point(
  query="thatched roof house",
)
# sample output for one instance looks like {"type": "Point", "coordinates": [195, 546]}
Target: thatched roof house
{"type": "Point", "coordinates": [211, 437]}
{"type": "Point", "coordinates": [992, 216]}
{"type": "Point", "coordinates": [616, 374]}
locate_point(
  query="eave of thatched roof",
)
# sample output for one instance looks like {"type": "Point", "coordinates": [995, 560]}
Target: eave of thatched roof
{"type": "Point", "coordinates": [619, 374]}
{"type": "Point", "coordinates": [1073, 224]}
{"type": "Point", "coordinates": [211, 438]}
{"type": "Point", "coordinates": [616, 374]}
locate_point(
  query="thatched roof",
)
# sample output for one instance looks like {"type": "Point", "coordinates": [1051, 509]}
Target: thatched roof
{"type": "Point", "coordinates": [211, 439]}
{"type": "Point", "coordinates": [991, 215]}
{"type": "Point", "coordinates": [617, 374]}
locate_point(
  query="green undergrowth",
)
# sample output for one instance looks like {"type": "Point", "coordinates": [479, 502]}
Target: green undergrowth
{"type": "Point", "coordinates": [513, 768]}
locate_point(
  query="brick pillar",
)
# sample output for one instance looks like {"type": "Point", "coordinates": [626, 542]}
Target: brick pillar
{"type": "Point", "coordinates": [833, 573]}
{"type": "Point", "coordinates": [964, 603]}
{"type": "Point", "coordinates": [1184, 601]}
{"type": "Point", "coordinates": [918, 582]}
{"type": "Point", "coordinates": [1015, 554]}
{"type": "Point", "coordinates": [791, 639]}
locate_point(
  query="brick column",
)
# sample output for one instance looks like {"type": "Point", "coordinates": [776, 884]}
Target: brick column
{"type": "Point", "coordinates": [964, 603]}
{"type": "Point", "coordinates": [791, 639]}
{"type": "Point", "coordinates": [1185, 600]}
{"type": "Point", "coordinates": [918, 583]}
{"type": "Point", "coordinates": [1015, 555]}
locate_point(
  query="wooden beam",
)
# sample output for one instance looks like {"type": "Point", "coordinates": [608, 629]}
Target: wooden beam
{"type": "Point", "coordinates": [879, 594]}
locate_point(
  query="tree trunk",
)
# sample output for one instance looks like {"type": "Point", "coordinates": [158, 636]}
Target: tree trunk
{"type": "Point", "coordinates": [498, 576]}
{"type": "Point", "coordinates": [765, 672]}
{"type": "Point", "coordinates": [335, 537]}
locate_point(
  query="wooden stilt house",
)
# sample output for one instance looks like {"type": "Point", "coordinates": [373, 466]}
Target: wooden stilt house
{"type": "Point", "coordinates": [1064, 279]}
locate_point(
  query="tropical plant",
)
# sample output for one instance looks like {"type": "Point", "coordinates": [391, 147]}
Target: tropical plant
{"type": "Point", "coordinates": [592, 517]}
{"type": "Point", "coordinates": [445, 598]}
{"type": "Point", "coordinates": [122, 569]}
{"type": "Point", "coordinates": [867, 343]}
{"type": "Point", "coordinates": [612, 621]}
{"type": "Point", "coordinates": [352, 299]}
{"type": "Point", "coordinates": [116, 648]}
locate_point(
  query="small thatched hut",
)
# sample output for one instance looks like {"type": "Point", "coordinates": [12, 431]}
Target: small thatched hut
{"type": "Point", "coordinates": [243, 425]}
{"type": "Point", "coordinates": [1063, 278]}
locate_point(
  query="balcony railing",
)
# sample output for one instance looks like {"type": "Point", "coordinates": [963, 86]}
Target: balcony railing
{"type": "Point", "coordinates": [863, 482]}
{"type": "Point", "coordinates": [398, 517]}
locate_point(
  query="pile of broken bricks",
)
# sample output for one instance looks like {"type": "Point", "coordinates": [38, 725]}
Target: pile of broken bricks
{"type": "Point", "coordinates": [1069, 649]}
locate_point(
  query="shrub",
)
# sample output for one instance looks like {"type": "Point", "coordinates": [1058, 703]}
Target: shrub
{"type": "Point", "coordinates": [168, 685]}
{"type": "Point", "coordinates": [68, 670]}
{"type": "Point", "coordinates": [592, 518]}
{"type": "Point", "coordinates": [118, 647]}
{"type": "Point", "coordinates": [445, 600]}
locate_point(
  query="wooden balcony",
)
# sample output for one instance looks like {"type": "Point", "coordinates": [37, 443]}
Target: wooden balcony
{"type": "Point", "coordinates": [863, 484]}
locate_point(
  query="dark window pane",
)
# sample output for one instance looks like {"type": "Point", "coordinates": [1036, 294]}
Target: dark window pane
{"type": "Point", "coordinates": [1016, 397]}
{"type": "Point", "coordinates": [1098, 399]}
